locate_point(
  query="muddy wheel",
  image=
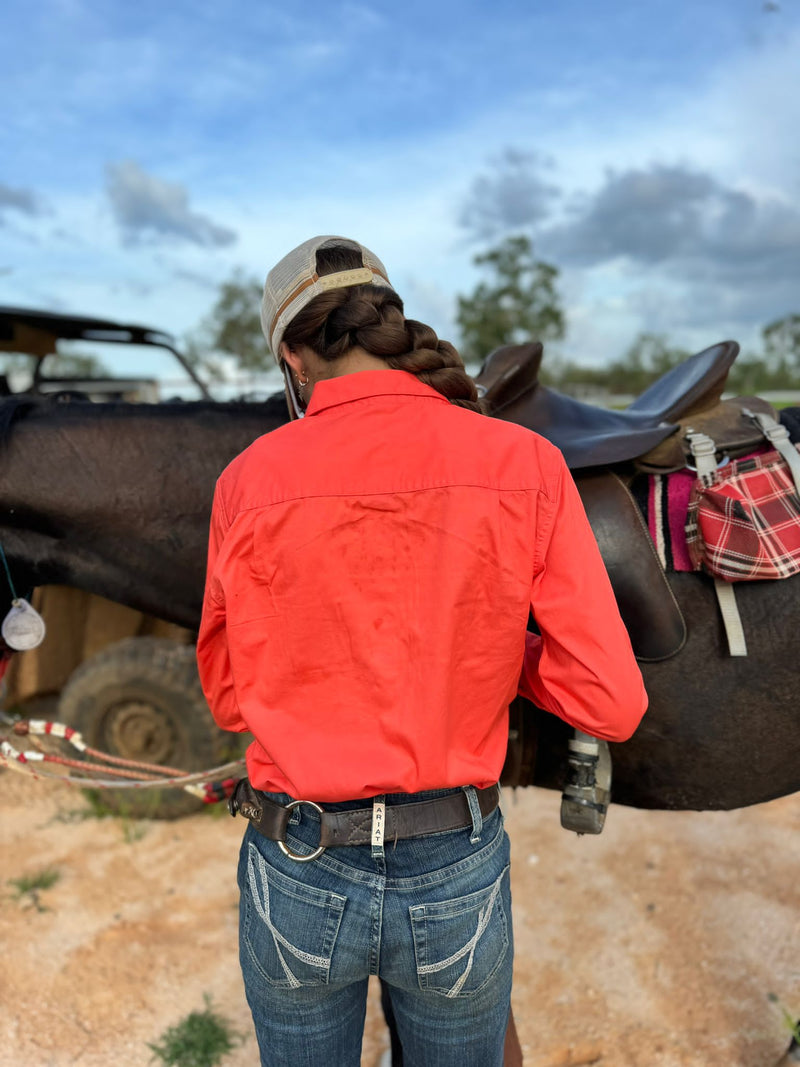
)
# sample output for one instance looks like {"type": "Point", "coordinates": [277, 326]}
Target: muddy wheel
{"type": "Point", "coordinates": [141, 699]}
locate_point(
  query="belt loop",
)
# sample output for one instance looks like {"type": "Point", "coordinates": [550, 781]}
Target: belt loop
{"type": "Point", "coordinates": [378, 826]}
{"type": "Point", "coordinates": [475, 811]}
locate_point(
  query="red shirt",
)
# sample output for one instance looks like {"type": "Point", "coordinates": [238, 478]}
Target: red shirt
{"type": "Point", "coordinates": [371, 568]}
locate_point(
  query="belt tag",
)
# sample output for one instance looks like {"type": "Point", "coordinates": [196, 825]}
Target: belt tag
{"type": "Point", "coordinates": [378, 822]}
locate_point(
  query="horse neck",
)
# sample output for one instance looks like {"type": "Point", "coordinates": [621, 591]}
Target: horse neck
{"type": "Point", "coordinates": [117, 502]}
{"type": "Point", "coordinates": [80, 455]}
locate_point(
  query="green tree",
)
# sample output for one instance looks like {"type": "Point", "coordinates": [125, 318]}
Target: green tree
{"type": "Point", "coordinates": [232, 328]}
{"type": "Point", "coordinates": [749, 375]}
{"type": "Point", "coordinates": [650, 356]}
{"type": "Point", "coordinates": [776, 367]}
{"type": "Point", "coordinates": [74, 365]}
{"type": "Point", "coordinates": [518, 303]}
{"type": "Point", "coordinates": [782, 347]}
{"type": "Point", "coordinates": [55, 365]}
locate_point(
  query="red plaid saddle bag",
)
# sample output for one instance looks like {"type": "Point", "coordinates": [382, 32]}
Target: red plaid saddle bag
{"type": "Point", "coordinates": [743, 522]}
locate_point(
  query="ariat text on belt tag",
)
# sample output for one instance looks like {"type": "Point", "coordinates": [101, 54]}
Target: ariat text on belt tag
{"type": "Point", "coordinates": [378, 822]}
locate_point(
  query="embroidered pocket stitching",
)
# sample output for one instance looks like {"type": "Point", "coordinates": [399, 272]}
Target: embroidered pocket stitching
{"type": "Point", "coordinates": [484, 916]}
{"type": "Point", "coordinates": [483, 921]}
{"type": "Point", "coordinates": [277, 936]}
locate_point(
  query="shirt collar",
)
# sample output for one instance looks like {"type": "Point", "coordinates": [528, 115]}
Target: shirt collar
{"type": "Point", "coordinates": [362, 384]}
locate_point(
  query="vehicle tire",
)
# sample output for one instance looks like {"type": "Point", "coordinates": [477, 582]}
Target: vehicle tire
{"type": "Point", "coordinates": [141, 699]}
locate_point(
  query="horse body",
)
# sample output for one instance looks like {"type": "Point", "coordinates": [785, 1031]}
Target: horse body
{"type": "Point", "coordinates": [720, 732]}
{"type": "Point", "coordinates": [116, 499]}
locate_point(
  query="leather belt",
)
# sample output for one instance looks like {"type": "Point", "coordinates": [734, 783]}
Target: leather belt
{"type": "Point", "coordinates": [355, 827]}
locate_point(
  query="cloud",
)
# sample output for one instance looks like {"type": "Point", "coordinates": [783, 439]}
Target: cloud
{"type": "Point", "coordinates": [196, 278]}
{"type": "Point", "coordinates": [686, 248]}
{"type": "Point", "coordinates": [146, 205]}
{"type": "Point", "coordinates": [511, 197]}
{"type": "Point", "coordinates": [672, 215]}
{"type": "Point", "coordinates": [647, 216]}
{"type": "Point", "coordinates": [676, 245]}
{"type": "Point", "coordinates": [22, 200]}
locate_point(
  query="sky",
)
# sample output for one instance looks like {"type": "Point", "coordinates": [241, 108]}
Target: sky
{"type": "Point", "coordinates": [650, 149]}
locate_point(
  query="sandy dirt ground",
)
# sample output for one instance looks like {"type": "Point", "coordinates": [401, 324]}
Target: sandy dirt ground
{"type": "Point", "coordinates": [653, 945]}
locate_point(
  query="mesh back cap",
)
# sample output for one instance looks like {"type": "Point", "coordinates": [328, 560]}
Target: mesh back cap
{"type": "Point", "coordinates": [293, 283]}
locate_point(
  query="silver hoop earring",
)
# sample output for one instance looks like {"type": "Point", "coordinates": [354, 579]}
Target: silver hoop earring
{"type": "Point", "coordinates": [301, 384]}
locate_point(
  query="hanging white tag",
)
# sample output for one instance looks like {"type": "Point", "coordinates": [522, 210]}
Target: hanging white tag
{"type": "Point", "coordinates": [23, 628]}
{"type": "Point", "coordinates": [378, 823]}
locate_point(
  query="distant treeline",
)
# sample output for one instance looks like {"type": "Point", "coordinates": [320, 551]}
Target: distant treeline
{"type": "Point", "coordinates": [775, 368]}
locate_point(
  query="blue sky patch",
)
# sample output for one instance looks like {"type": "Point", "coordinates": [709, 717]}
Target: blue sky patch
{"type": "Point", "coordinates": [648, 148]}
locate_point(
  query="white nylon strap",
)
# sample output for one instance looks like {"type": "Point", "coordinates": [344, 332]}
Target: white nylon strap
{"type": "Point", "coordinates": [704, 452]}
{"type": "Point", "coordinates": [732, 620]}
{"type": "Point", "coordinates": [778, 437]}
{"type": "Point", "coordinates": [705, 459]}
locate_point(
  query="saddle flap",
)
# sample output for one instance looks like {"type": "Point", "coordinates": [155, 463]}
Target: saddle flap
{"type": "Point", "coordinates": [646, 603]}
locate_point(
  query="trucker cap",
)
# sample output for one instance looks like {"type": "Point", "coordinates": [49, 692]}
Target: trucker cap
{"type": "Point", "coordinates": [293, 283]}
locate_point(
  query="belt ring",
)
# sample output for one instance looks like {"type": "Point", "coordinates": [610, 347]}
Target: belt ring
{"type": "Point", "coordinates": [295, 855]}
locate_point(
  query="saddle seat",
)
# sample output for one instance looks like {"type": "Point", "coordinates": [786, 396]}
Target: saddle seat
{"type": "Point", "coordinates": [591, 436]}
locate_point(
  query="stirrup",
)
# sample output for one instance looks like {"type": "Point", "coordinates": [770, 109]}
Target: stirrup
{"type": "Point", "coordinates": [587, 794]}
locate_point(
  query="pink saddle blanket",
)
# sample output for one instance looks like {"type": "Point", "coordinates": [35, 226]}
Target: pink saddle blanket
{"type": "Point", "coordinates": [664, 499]}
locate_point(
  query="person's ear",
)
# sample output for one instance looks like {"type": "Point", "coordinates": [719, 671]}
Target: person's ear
{"type": "Point", "coordinates": [293, 358]}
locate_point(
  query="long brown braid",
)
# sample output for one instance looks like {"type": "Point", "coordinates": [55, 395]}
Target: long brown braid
{"type": "Point", "coordinates": [371, 317]}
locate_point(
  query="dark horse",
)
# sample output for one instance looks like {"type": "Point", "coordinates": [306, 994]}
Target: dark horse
{"type": "Point", "coordinates": [115, 499]}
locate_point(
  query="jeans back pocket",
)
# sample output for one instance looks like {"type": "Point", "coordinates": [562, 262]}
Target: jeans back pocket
{"type": "Point", "coordinates": [288, 929]}
{"type": "Point", "coordinates": [459, 944]}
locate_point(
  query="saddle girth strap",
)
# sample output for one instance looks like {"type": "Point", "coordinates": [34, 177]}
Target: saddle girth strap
{"type": "Point", "coordinates": [778, 437]}
{"type": "Point", "coordinates": [705, 460]}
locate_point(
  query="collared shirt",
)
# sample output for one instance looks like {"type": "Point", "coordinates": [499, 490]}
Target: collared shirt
{"type": "Point", "coordinates": [371, 570]}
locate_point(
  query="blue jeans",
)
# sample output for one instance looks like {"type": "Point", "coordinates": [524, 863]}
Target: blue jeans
{"type": "Point", "coordinates": [430, 915]}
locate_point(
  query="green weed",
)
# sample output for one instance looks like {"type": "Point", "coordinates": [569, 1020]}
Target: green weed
{"type": "Point", "coordinates": [98, 807]}
{"type": "Point", "coordinates": [123, 804]}
{"type": "Point", "coordinates": [72, 815]}
{"type": "Point", "coordinates": [202, 1039]}
{"type": "Point", "coordinates": [791, 1022]}
{"type": "Point", "coordinates": [29, 886]}
{"type": "Point", "coordinates": [133, 830]}
{"type": "Point", "coordinates": [102, 805]}
{"type": "Point", "coordinates": [217, 810]}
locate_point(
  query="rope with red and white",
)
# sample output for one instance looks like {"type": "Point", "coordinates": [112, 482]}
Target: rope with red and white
{"type": "Point", "coordinates": [209, 785]}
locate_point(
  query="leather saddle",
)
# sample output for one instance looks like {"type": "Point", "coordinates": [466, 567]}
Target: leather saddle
{"type": "Point", "coordinates": [591, 436]}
